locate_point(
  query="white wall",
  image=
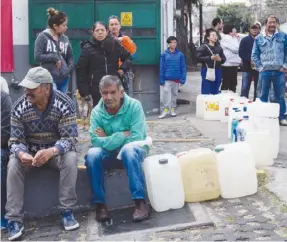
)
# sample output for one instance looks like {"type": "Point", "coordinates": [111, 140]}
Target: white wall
{"type": "Point", "coordinates": [167, 23]}
{"type": "Point", "coordinates": [20, 22]}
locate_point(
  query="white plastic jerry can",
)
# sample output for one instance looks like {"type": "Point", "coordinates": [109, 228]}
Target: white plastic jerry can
{"type": "Point", "coordinates": [211, 107]}
{"type": "Point", "coordinates": [264, 110]}
{"type": "Point", "coordinates": [226, 101]}
{"type": "Point", "coordinates": [271, 125]}
{"type": "Point", "coordinates": [199, 175]}
{"type": "Point", "coordinates": [164, 182]}
{"type": "Point", "coordinates": [260, 143]}
{"type": "Point", "coordinates": [236, 170]}
{"type": "Point", "coordinates": [200, 105]}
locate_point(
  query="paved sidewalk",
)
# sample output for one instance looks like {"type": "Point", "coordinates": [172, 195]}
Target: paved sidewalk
{"type": "Point", "coordinates": [259, 217]}
{"type": "Point", "coordinates": [262, 216]}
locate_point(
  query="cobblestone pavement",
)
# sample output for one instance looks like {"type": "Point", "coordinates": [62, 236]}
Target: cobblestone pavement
{"type": "Point", "coordinates": [258, 217]}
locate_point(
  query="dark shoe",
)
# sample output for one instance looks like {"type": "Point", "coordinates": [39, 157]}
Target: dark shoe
{"type": "Point", "coordinates": [68, 220]}
{"type": "Point", "coordinates": [141, 211]}
{"type": "Point", "coordinates": [102, 214]}
{"type": "Point", "coordinates": [14, 230]}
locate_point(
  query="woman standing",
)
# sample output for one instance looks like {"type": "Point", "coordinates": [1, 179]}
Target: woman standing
{"type": "Point", "coordinates": [99, 57]}
{"type": "Point", "coordinates": [210, 54]}
{"type": "Point", "coordinates": [230, 44]}
{"type": "Point", "coordinates": [53, 50]}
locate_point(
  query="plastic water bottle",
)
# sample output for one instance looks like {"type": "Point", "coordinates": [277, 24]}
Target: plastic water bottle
{"type": "Point", "coordinates": [242, 128]}
{"type": "Point", "coordinates": [234, 125]}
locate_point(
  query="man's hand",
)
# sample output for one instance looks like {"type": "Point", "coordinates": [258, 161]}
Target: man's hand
{"type": "Point", "coordinates": [120, 39]}
{"type": "Point", "coordinates": [59, 64]}
{"type": "Point", "coordinates": [26, 158]}
{"type": "Point", "coordinates": [42, 157]}
{"type": "Point", "coordinates": [283, 70]}
{"type": "Point", "coordinates": [121, 72]}
{"type": "Point", "coordinates": [100, 132]}
{"type": "Point", "coordinates": [127, 133]}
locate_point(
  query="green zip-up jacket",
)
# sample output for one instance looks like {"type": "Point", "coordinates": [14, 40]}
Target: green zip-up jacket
{"type": "Point", "coordinates": [130, 117]}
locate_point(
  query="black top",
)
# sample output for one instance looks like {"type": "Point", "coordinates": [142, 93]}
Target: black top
{"type": "Point", "coordinates": [245, 51]}
{"type": "Point", "coordinates": [6, 105]}
{"type": "Point", "coordinates": [204, 55]}
{"type": "Point", "coordinates": [97, 59]}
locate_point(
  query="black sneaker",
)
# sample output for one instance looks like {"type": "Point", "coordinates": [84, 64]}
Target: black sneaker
{"type": "Point", "coordinates": [69, 222]}
{"type": "Point", "coordinates": [14, 230]}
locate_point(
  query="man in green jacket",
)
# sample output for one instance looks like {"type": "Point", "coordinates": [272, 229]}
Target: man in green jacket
{"type": "Point", "coordinates": [116, 123]}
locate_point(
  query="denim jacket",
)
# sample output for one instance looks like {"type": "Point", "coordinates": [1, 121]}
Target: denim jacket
{"type": "Point", "coordinates": [270, 53]}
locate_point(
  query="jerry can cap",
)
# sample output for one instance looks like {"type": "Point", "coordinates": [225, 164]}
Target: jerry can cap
{"type": "Point", "coordinates": [163, 161]}
{"type": "Point", "coordinates": [219, 149]}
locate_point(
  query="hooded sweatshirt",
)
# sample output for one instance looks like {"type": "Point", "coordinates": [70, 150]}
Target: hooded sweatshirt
{"type": "Point", "coordinates": [48, 52]}
{"type": "Point", "coordinates": [130, 117]}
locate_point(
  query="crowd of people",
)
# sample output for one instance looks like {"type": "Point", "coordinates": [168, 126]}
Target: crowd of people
{"type": "Point", "coordinates": [40, 129]}
{"type": "Point", "coordinates": [262, 57]}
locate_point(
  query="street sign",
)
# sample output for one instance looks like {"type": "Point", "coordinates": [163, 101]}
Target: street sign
{"type": "Point", "coordinates": [126, 18]}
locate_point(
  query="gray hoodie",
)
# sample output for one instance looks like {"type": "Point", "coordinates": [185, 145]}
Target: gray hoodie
{"type": "Point", "coordinates": [47, 55]}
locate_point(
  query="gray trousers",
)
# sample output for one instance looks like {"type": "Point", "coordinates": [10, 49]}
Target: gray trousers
{"type": "Point", "coordinates": [170, 94]}
{"type": "Point", "coordinates": [66, 164]}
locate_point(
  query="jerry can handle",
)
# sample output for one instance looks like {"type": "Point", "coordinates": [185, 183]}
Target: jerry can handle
{"type": "Point", "coordinates": [163, 161]}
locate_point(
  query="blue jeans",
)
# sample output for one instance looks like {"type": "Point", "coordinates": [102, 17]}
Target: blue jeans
{"type": "Point", "coordinates": [272, 97]}
{"type": "Point", "coordinates": [4, 162]}
{"type": "Point", "coordinates": [246, 83]}
{"type": "Point", "coordinates": [209, 87]}
{"type": "Point", "coordinates": [97, 160]}
{"type": "Point", "coordinates": [277, 78]}
{"type": "Point", "coordinates": [62, 86]}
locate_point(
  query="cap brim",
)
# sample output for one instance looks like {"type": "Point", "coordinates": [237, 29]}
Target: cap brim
{"type": "Point", "coordinates": [29, 84]}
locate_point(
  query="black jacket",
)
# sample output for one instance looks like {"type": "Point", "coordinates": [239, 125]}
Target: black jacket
{"type": "Point", "coordinates": [245, 51]}
{"type": "Point", "coordinates": [6, 106]}
{"type": "Point", "coordinates": [204, 55]}
{"type": "Point", "coordinates": [97, 59]}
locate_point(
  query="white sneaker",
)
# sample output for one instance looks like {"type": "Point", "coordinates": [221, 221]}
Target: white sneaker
{"type": "Point", "coordinates": [172, 112]}
{"type": "Point", "coordinates": [283, 122]}
{"type": "Point", "coordinates": [164, 113]}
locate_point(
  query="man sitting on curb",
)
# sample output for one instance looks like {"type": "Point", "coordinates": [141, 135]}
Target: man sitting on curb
{"type": "Point", "coordinates": [116, 123]}
{"type": "Point", "coordinates": [43, 133]}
